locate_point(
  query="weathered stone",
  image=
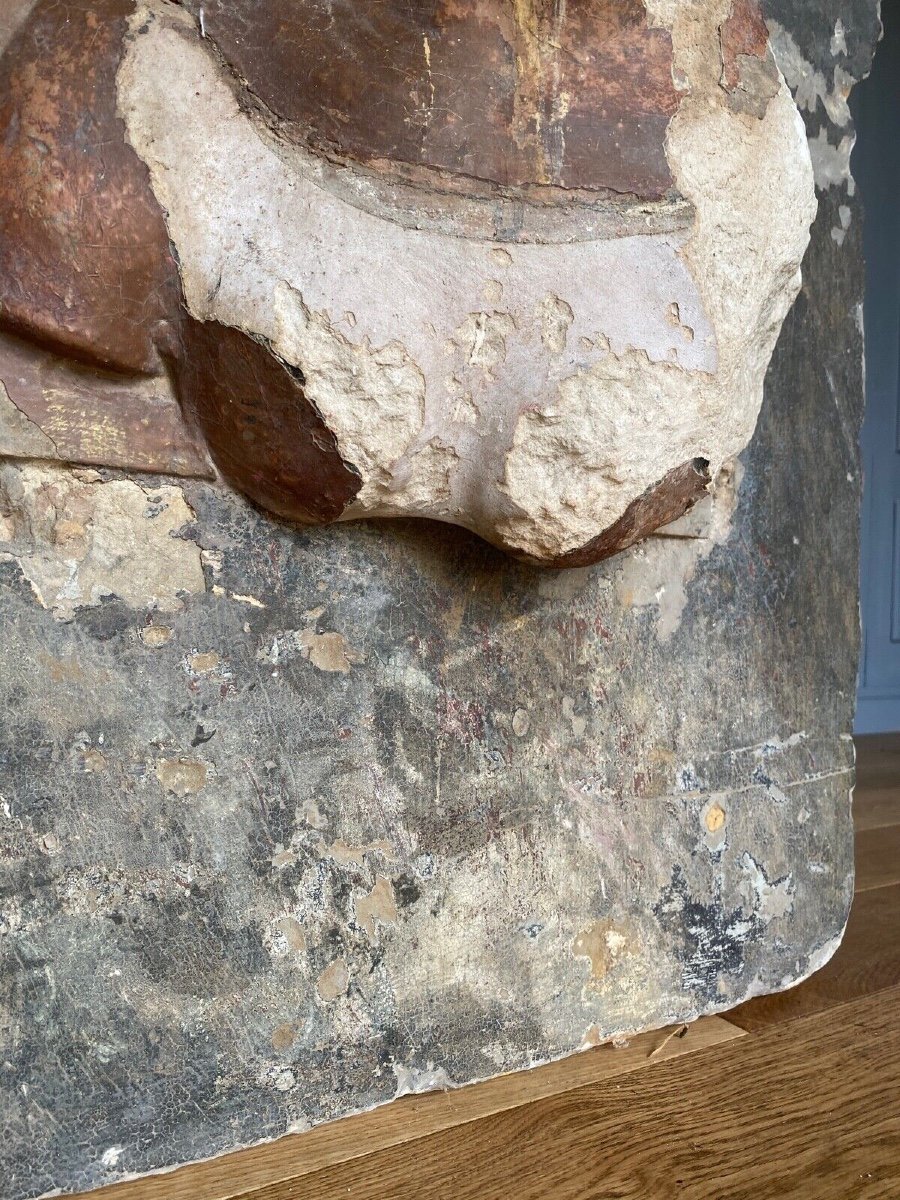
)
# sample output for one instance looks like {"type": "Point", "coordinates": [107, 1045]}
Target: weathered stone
{"type": "Point", "coordinates": [515, 94]}
{"type": "Point", "coordinates": [343, 813]}
{"type": "Point", "coordinates": [79, 540]}
{"type": "Point", "coordinates": [510, 384]}
{"type": "Point", "coordinates": [50, 408]}
{"type": "Point", "coordinates": [522, 324]}
{"type": "Point", "coordinates": [85, 264]}
{"type": "Point", "coordinates": [660, 506]}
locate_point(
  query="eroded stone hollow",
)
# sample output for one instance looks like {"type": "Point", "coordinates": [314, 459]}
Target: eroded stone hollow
{"type": "Point", "coordinates": [516, 265]}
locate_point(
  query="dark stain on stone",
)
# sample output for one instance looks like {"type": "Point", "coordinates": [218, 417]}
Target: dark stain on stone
{"type": "Point", "coordinates": [713, 938]}
{"type": "Point", "coordinates": [394, 1045]}
{"type": "Point", "coordinates": [85, 263]}
{"type": "Point", "coordinates": [184, 943]}
{"type": "Point", "coordinates": [406, 891]}
{"type": "Point", "coordinates": [681, 488]}
{"type": "Point", "coordinates": [107, 621]}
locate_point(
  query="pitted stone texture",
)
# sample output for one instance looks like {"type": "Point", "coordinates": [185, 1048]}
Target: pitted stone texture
{"type": "Point", "coordinates": [518, 389]}
{"type": "Point", "coordinates": [601, 798]}
{"type": "Point", "coordinates": [530, 390]}
{"type": "Point", "coordinates": [79, 540]}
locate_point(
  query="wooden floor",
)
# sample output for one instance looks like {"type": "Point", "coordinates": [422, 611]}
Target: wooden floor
{"type": "Point", "coordinates": [788, 1096]}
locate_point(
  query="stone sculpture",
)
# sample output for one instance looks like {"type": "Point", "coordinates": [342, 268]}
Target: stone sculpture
{"type": "Point", "coordinates": [296, 819]}
{"type": "Point", "coordinates": [518, 267]}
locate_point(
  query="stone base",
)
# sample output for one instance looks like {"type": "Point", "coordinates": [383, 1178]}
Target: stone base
{"type": "Point", "coordinates": [294, 822]}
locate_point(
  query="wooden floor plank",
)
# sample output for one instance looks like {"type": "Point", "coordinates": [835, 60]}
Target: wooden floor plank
{"type": "Point", "coordinates": [867, 962]}
{"type": "Point", "coordinates": [877, 858]}
{"type": "Point", "coordinates": [876, 807]}
{"type": "Point", "coordinates": [417, 1116]}
{"type": "Point", "coordinates": [804, 1111]}
{"type": "Point", "coordinates": [878, 759]}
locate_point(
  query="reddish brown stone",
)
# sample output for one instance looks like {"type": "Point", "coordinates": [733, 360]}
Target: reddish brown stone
{"type": "Point", "coordinates": [743, 35]}
{"type": "Point", "coordinates": [667, 501]}
{"type": "Point", "coordinates": [95, 418]}
{"type": "Point", "coordinates": [85, 264]}
{"type": "Point", "coordinates": [517, 96]}
{"type": "Point", "coordinates": [86, 270]}
{"type": "Point", "coordinates": [507, 92]}
{"type": "Point", "coordinates": [265, 436]}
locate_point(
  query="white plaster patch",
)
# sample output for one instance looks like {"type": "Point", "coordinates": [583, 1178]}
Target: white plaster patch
{"type": "Point", "coordinates": [768, 900]}
{"type": "Point", "coordinates": [78, 540]}
{"type": "Point", "coordinates": [778, 745]}
{"type": "Point", "coordinates": [845, 216]}
{"type": "Point", "coordinates": [831, 164]}
{"type": "Point", "coordinates": [838, 39]}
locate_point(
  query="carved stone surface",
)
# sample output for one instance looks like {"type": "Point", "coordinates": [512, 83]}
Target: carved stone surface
{"type": "Point", "coordinates": [85, 263]}
{"type": "Point", "coordinates": [469, 261]}
{"type": "Point", "coordinates": [472, 92]}
{"type": "Point", "coordinates": [293, 821]}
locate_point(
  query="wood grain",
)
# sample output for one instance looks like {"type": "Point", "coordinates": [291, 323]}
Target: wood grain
{"type": "Point", "coordinates": [877, 858]}
{"type": "Point", "coordinates": [867, 962]}
{"type": "Point", "coordinates": [877, 760]}
{"type": "Point", "coordinates": [417, 1116]}
{"type": "Point", "coordinates": [804, 1111]}
{"type": "Point", "coordinates": [876, 807]}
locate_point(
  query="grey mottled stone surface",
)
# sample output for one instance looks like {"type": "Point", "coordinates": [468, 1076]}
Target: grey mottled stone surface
{"type": "Point", "coordinates": [290, 822]}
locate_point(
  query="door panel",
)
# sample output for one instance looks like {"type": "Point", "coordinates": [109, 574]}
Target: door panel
{"type": "Point", "coordinates": [876, 167]}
